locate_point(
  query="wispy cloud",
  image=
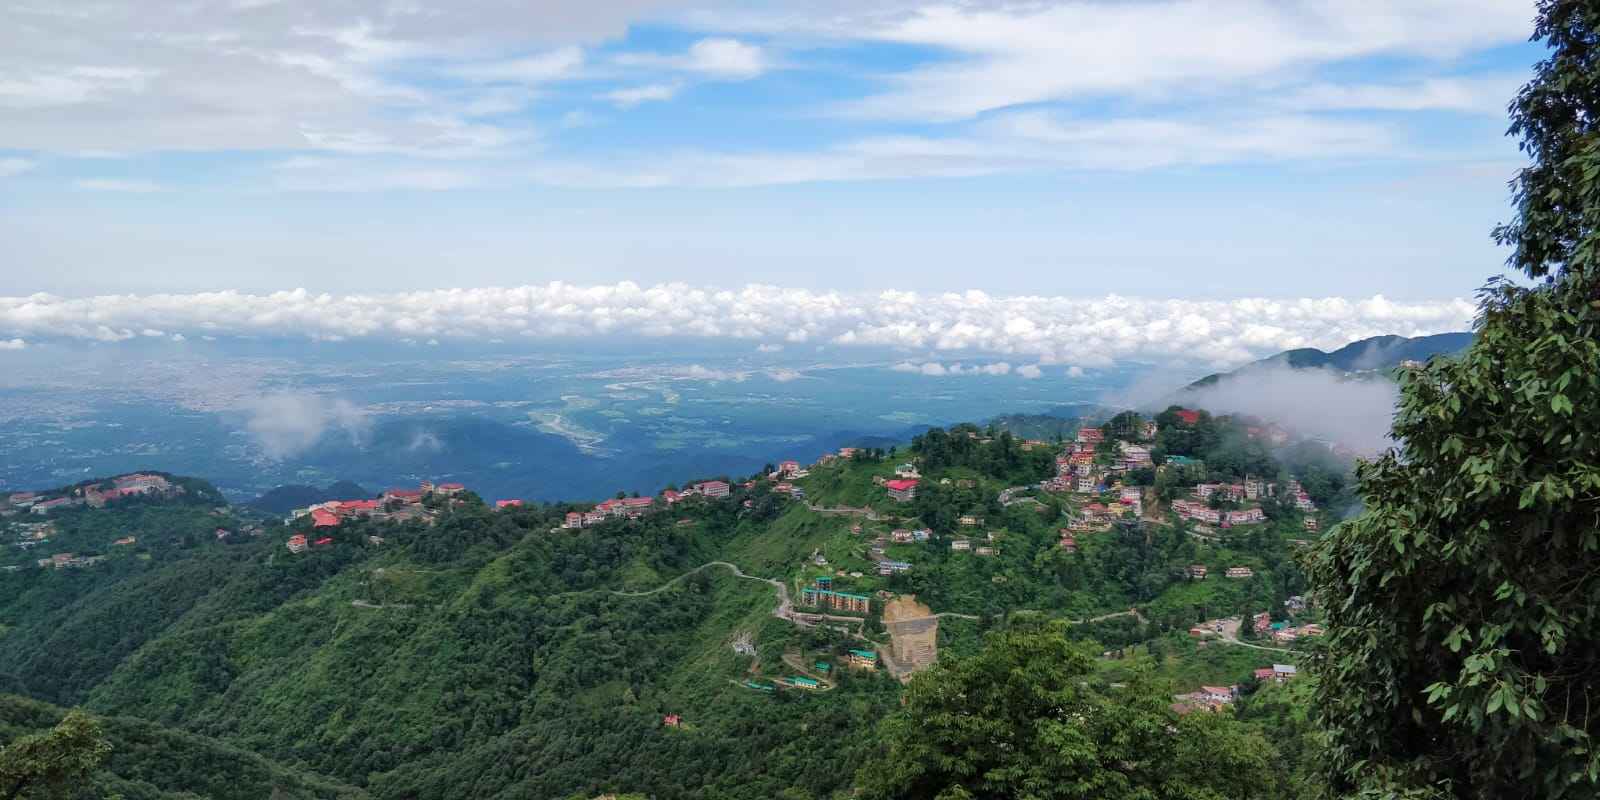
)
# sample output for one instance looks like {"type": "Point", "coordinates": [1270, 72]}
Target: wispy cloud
{"type": "Point", "coordinates": [1041, 329]}
{"type": "Point", "coordinates": [15, 166]}
{"type": "Point", "coordinates": [718, 58]}
{"type": "Point", "coordinates": [634, 95]}
{"type": "Point", "coordinates": [119, 185]}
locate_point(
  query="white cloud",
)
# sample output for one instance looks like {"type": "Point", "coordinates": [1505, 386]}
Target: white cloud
{"type": "Point", "coordinates": [1028, 141]}
{"type": "Point", "coordinates": [1075, 372]}
{"type": "Point", "coordinates": [119, 185]}
{"type": "Point", "coordinates": [634, 95]}
{"type": "Point", "coordinates": [14, 166]}
{"type": "Point", "coordinates": [1005, 55]}
{"type": "Point", "coordinates": [287, 424]}
{"type": "Point", "coordinates": [12, 344]}
{"type": "Point", "coordinates": [769, 348]}
{"type": "Point", "coordinates": [785, 375]}
{"type": "Point", "coordinates": [542, 68]}
{"type": "Point", "coordinates": [1484, 95]}
{"type": "Point", "coordinates": [1043, 329]}
{"type": "Point", "coordinates": [726, 58]}
{"type": "Point", "coordinates": [1029, 371]}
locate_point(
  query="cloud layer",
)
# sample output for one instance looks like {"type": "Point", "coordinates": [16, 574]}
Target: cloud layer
{"type": "Point", "coordinates": [1043, 329]}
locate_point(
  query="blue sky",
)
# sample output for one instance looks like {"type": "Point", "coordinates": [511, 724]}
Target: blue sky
{"type": "Point", "coordinates": [1173, 149]}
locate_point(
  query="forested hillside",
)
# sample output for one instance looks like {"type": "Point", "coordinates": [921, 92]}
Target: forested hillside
{"type": "Point", "coordinates": [499, 654]}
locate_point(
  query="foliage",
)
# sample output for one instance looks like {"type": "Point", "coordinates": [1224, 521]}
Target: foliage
{"type": "Point", "coordinates": [1465, 603]}
{"type": "Point", "coordinates": [53, 764]}
{"type": "Point", "coordinates": [1020, 720]}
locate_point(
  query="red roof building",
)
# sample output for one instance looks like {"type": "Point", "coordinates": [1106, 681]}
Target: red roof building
{"type": "Point", "coordinates": [507, 503]}
{"type": "Point", "coordinates": [323, 541]}
{"type": "Point", "coordinates": [323, 518]}
{"type": "Point", "coordinates": [903, 490]}
{"type": "Point", "coordinates": [1188, 416]}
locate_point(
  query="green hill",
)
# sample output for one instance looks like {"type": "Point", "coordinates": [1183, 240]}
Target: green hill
{"type": "Point", "coordinates": [495, 654]}
{"type": "Point", "coordinates": [151, 762]}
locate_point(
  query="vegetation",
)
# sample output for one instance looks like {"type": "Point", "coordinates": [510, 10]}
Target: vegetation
{"type": "Point", "coordinates": [1019, 720]}
{"type": "Point", "coordinates": [1465, 603]}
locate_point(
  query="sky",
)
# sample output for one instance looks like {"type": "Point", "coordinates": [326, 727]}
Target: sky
{"type": "Point", "coordinates": [1255, 173]}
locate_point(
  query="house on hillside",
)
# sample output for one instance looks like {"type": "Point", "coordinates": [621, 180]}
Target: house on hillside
{"type": "Point", "coordinates": [713, 489]}
{"type": "Point", "coordinates": [297, 543]}
{"type": "Point", "coordinates": [1239, 572]}
{"type": "Point", "coordinates": [903, 490]}
{"type": "Point", "coordinates": [861, 659]}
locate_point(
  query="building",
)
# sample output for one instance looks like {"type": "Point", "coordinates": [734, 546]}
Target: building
{"type": "Point", "coordinates": [1188, 416]}
{"type": "Point", "coordinates": [672, 720]}
{"type": "Point", "coordinates": [297, 543]}
{"type": "Point", "coordinates": [124, 541]}
{"type": "Point", "coordinates": [449, 489]}
{"type": "Point", "coordinates": [1069, 544]}
{"type": "Point", "coordinates": [838, 601]}
{"type": "Point", "coordinates": [1248, 516]}
{"type": "Point", "coordinates": [984, 551]}
{"type": "Point", "coordinates": [900, 536]}
{"type": "Point", "coordinates": [960, 544]}
{"type": "Point", "coordinates": [323, 518]}
{"type": "Point", "coordinates": [887, 567]}
{"type": "Point", "coordinates": [1311, 524]}
{"type": "Point", "coordinates": [1218, 694]}
{"type": "Point", "coordinates": [802, 682]}
{"type": "Point", "coordinates": [574, 520]}
{"type": "Point", "coordinates": [323, 542]}
{"type": "Point", "coordinates": [713, 489]}
{"type": "Point", "coordinates": [1239, 572]}
{"type": "Point", "coordinates": [903, 490]}
{"type": "Point", "coordinates": [500, 504]}
{"type": "Point", "coordinates": [1197, 571]}
{"type": "Point", "coordinates": [970, 521]}
{"type": "Point", "coordinates": [862, 659]}
{"type": "Point", "coordinates": [1283, 673]}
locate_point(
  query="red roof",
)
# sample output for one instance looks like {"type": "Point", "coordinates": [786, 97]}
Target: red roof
{"type": "Point", "coordinates": [507, 503]}
{"type": "Point", "coordinates": [324, 540]}
{"type": "Point", "coordinates": [450, 487]}
{"type": "Point", "coordinates": [358, 505]}
{"type": "Point", "coordinates": [323, 518]}
{"type": "Point", "coordinates": [901, 485]}
{"type": "Point", "coordinates": [405, 493]}
{"type": "Point", "coordinates": [637, 502]}
{"type": "Point", "coordinates": [1188, 416]}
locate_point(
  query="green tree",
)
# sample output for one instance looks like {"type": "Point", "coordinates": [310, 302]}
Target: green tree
{"type": "Point", "coordinates": [53, 764]}
{"type": "Point", "coordinates": [1019, 720]}
{"type": "Point", "coordinates": [1464, 604]}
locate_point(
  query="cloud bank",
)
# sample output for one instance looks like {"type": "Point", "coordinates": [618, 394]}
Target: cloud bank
{"type": "Point", "coordinates": [1039, 329]}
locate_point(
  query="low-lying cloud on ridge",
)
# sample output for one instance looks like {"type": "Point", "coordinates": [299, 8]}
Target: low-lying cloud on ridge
{"type": "Point", "coordinates": [1036, 328]}
{"type": "Point", "coordinates": [1355, 412]}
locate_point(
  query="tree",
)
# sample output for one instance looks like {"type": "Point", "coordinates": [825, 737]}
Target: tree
{"type": "Point", "coordinates": [1019, 719]}
{"type": "Point", "coordinates": [1464, 604]}
{"type": "Point", "coordinates": [53, 764]}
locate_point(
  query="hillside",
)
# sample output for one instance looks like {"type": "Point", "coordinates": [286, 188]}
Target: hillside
{"type": "Point", "coordinates": [151, 762]}
{"type": "Point", "coordinates": [498, 654]}
{"type": "Point", "coordinates": [282, 499]}
{"type": "Point", "coordinates": [1377, 355]}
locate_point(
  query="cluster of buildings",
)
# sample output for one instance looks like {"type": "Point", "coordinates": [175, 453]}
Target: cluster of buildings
{"type": "Point", "coordinates": [396, 505]}
{"type": "Point", "coordinates": [95, 495]}
{"type": "Point", "coordinates": [635, 507]}
{"type": "Point", "coordinates": [1198, 572]}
